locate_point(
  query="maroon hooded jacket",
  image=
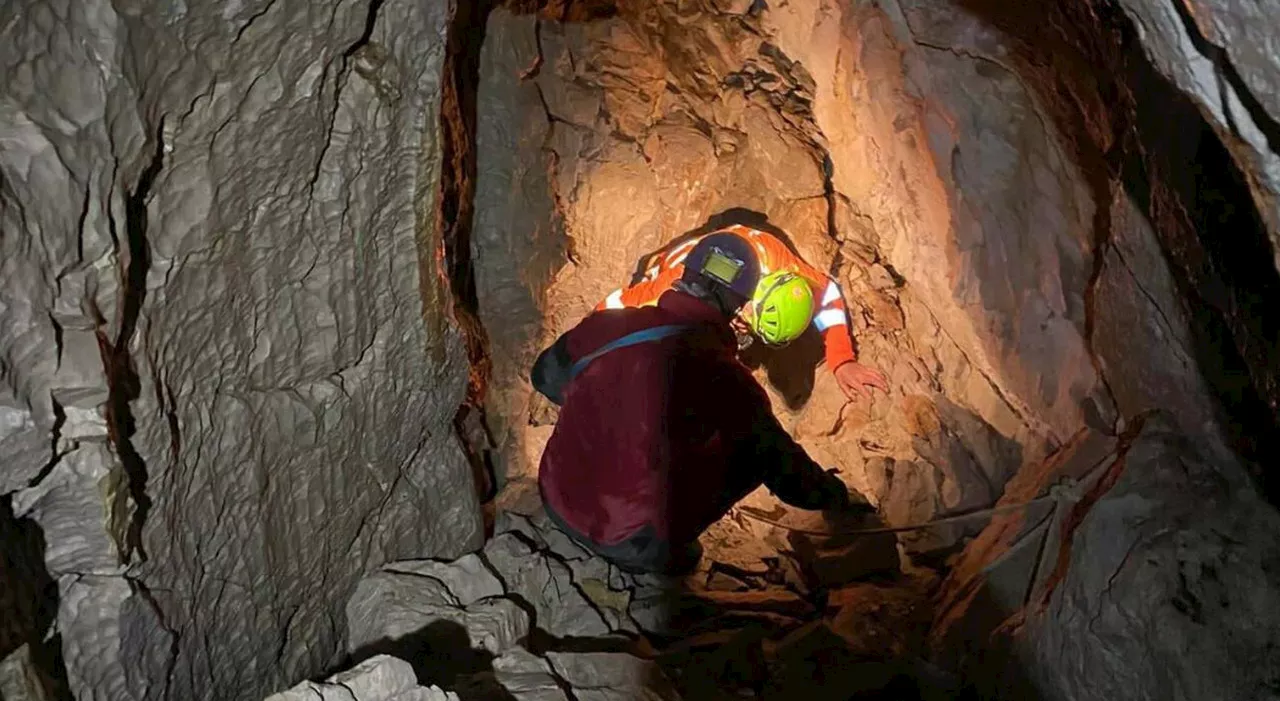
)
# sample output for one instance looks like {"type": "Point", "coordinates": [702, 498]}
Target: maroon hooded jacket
{"type": "Point", "coordinates": [668, 433]}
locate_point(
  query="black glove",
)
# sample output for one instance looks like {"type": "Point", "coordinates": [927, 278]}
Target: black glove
{"type": "Point", "coordinates": [835, 495]}
{"type": "Point", "coordinates": [839, 499]}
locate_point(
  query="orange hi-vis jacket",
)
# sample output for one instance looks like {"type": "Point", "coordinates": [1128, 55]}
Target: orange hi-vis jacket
{"type": "Point", "coordinates": [830, 318]}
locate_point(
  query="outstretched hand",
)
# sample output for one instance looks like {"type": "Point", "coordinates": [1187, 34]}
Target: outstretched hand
{"type": "Point", "coordinates": [857, 379]}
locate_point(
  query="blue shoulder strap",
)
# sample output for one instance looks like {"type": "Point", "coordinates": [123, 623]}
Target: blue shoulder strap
{"type": "Point", "coordinates": [653, 333]}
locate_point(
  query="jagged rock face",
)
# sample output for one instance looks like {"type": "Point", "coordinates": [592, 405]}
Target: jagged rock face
{"type": "Point", "coordinates": [655, 637]}
{"type": "Point", "coordinates": [1003, 267]}
{"type": "Point", "coordinates": [1171, 593]}
{"type": "Point", "coordinates": [1219, 54]}
{"type": "Point", "coordinates": [380, 678]}
{"type": "Point", "coordinates": [912, 171]}
{"type": "Point", "coordinates": [228, 373]}
{"type": "Point", "coordinates": [228, 367]}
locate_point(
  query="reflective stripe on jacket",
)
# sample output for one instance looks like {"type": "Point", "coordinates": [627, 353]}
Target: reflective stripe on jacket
{"type": "Point", "coordinates": [830, 315]}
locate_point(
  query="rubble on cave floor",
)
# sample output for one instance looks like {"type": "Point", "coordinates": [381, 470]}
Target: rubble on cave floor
{"type": "Point", "coordinates": [533, 616]}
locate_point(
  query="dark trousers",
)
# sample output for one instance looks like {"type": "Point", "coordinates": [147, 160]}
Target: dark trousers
{"type": "Point", "coordinates": [641, 553]}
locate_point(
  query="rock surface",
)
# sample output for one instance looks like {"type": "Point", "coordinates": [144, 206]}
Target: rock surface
{"type": "Point", "coordinates": [1172, 542]}
{"type": "Point", "coordinates": [390, 607]}
{"type": "Point", "coordinates": [1220, 54]}
{"type": "Point", "coordinates": [21, 679]}
{"type": "Point", "coordinates": [381, 678]}
{"type": "Point", "coordinates": [228, 380]}
{"type": "Point", "coordinates": [1017, 287]}
{"type": "Point", "coordinates": [229, 365]}
{"type": "Point", "coordinates": [983, 377]}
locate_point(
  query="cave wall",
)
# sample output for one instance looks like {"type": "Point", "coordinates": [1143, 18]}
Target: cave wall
{"type": "Point", "coordinates": [1219, 54]}
{"type": "Point", "coordinates": [892, 146]}
{"type": "Point", "coordinates": [1024, 257]}
{"type": "Point", "coordinates": [1156, 580]}
{"type": "Point", "coordinates": [228, 369]}
{"type": "Point", "coordinates": [1171, 591]}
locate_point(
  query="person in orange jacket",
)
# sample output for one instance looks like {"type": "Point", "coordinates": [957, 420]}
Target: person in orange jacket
{"type": "Point", "coordinates": [791, 295]}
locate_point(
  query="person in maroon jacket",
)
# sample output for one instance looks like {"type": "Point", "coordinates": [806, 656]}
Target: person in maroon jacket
{"type": "Point", "coordinates": [662, 430]}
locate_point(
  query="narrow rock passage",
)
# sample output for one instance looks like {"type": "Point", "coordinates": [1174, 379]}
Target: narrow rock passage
{"type": "Point", "coordinates": [273, 274]}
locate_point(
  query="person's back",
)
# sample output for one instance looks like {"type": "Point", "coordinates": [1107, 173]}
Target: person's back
{"type": "Point", "coordinates": [634, 413]}
{"type": "Point", "coordinates": [657, 440]}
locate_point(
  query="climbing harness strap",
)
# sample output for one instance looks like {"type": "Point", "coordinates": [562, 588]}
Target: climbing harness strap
{"type": "Point", "coordinates": [653, 333]}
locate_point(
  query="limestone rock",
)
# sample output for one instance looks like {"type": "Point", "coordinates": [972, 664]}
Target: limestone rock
{"type": "Point", "coordinates": [1171, 542]}
{"type": "Point", "coordinates": [1219, 54]}
{"type": "Point", "coordinates": [393, 608]}
{"type": "Point", "coordinates": [242, 227]}
{"type": "Point", "coordinates": [381, 678]}
{"type": "Point", "coordinates": [466, 579]}
{"type": "Point", "coordinates": [655, 609]}
{"type": "Point", "coordinates": [519, 674]}
{"type": "Point", "coordinates": [546, 584]}
{"type": "Point", "coordinates": [229, 365]}
{"type": "Point", "coordinates": [779, 601]}
{"type": "Point", "coordinates": [378, 677]}
{"type": "Point", "coordinates": [1138, 303]}
{"type": "Point", "coordinates": [840, 560]}
{"type": "Point", "coordinates": [517, 242]}
{"type": "Point", "coordinates": [21, 679]}
{"type": "Point", "coordinates": [27, 608]}
{"type": "Point", "coordinates": [593, 577]}
{"type": "Point", "coordinates": [735, 549]}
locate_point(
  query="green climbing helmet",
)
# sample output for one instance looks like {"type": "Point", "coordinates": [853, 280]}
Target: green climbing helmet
{"type": "Point", "coordinates": [781, 308]}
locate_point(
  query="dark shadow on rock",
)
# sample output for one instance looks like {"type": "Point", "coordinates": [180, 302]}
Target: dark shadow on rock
{"type": "Point", "coordinates": [791, 370]}
{"type": "Point", "coordinates": [992, 458]}
{"type": "Point", "coordinates": [989, 663]}
{"type": "Point", "coordinates": [29, 601]}
{"type": "Point", "coordinates": [442, 655]}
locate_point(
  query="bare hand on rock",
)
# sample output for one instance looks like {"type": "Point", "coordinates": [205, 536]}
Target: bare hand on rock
{"type": "Point", "coordinates": [857, 379]}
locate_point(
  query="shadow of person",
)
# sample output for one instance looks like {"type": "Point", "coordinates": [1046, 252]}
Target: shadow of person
{"type": "Point", "coordinates": [442, 655]}
{"type": "Point", "coordinates": [790, 369]}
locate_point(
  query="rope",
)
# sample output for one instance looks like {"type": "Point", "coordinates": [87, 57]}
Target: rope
{"type": "Point", "coordinates": [991, 511]}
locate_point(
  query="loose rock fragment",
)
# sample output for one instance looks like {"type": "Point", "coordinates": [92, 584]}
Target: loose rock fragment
{"type": "Point", "coordinates": [467, 578]}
